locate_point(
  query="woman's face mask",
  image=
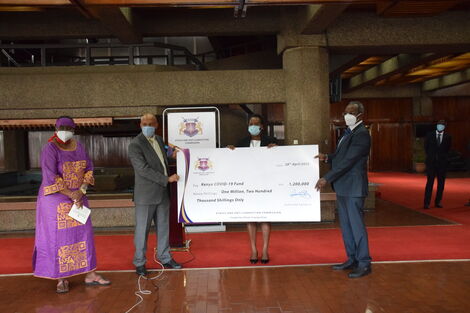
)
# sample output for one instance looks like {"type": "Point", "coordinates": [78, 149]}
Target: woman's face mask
{"type": "Point", "coordinates": [64, 135]}
{"type": "Point", "coordinates": [254, 130]}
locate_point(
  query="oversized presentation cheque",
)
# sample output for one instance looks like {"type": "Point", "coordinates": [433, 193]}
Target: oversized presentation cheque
{"type": "Point", "coordinates": [248, 185]}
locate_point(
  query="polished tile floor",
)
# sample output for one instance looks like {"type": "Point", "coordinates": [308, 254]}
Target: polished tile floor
{"type": "Point", "coordinates": [430, 287]}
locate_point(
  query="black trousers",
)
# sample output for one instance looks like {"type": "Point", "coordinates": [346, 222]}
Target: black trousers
{"type": "Point", "coordinates": [432, 172]}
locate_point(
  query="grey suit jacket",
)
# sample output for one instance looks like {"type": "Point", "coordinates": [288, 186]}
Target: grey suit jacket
{"type": "Point", "coordinates": [348, 174]}
{"type": "Point", "coordinates": [150, 179]}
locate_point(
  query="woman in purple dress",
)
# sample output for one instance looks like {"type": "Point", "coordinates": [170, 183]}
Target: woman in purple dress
{"type": "Point", "coordinates": [63, 246]}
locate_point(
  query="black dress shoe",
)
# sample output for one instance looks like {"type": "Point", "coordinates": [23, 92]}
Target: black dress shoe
{"type": "Point", "coordinates": [438, 205]}
{"type": "Point", "coordinates": [141, 270]}
{"type": "Point", "coordinates": [172, 264]}
{"type": "Point", "coordinates": [348, 265]}
{"type": "Point", "coordinates": [426, 207]}
{"type": "Point", "coordinates": [264, 261]}
{"type": "Point", "coordinates": [360, 271]}
{"type": "Point", "coordinates": [253, 261]}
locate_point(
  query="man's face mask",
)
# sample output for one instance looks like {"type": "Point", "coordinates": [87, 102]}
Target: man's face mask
{"type": "Point", "coordinates": [440, 127]}
{"type": "Point", "coordinates": [350, 119]}
{"type": "Point", "coordinates": [148, 131]}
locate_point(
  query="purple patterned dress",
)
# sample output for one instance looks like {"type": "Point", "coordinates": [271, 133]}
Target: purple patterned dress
{"type": "Point", "coordinates": [63, 246]}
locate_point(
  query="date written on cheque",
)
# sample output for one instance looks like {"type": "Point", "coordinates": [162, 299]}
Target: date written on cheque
{"type": "Point", "coordinates": [296, 164]}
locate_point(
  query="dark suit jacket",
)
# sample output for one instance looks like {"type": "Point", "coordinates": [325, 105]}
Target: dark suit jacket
{"type": "Point", "coordinates": [150, 179]}
{"type": "Point", "coordinates": [437, 154]}
{"type": "Point", "coordinates": [265, 140]}
{"type": "Point", "coordinates": [348, 174]}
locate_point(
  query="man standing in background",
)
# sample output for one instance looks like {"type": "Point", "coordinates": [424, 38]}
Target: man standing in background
{"type": "Point", "coordinates": [437, 146]}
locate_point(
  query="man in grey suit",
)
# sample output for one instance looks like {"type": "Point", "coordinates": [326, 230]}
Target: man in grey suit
{"type": "Point", "coordinates": [148, 157]}
{"type": "Point", "coordinates": [348, 177]}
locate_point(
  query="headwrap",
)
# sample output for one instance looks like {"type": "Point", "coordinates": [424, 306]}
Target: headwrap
{"type": "Point", "coordinates": [62, 121]}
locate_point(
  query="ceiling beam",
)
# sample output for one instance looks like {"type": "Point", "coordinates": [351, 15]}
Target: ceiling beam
{"type": "Point", "coordinates": [317, 18]}
{"type": "Point", "coordinates": [445, 81]}
{"type": "Point", "coordinates": [375, 35]}
{"type": "Point", "coordinates": [69, 24]}
{"type": "Point", "coordinates": [341, 62]}
{"type": "Point", "coordinates": [81, 8]}
{"type": "Point", "coordinates": [35, 2]}
{"type": "Point", "coordinates": [370, 35]}
{"type": "Point", "coordinates": [397, 64]}
{"type": "Point", "coordinates": [117, 20]}
{"type": "Point", "coordinates": [401, 8]}
{"type": "Point", "coordinates": [156, 3]}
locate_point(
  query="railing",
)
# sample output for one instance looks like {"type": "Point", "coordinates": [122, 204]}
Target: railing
{"type": "Point", "coordinates": [37, 54]}
{"type": "Point", "coordinates": [88, 59]}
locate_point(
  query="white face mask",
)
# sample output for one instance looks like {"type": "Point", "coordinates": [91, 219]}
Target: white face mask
{"type": "Point", "coordinates": [64, 135]}
{"type": "Point", "coordinates": [350, 119]}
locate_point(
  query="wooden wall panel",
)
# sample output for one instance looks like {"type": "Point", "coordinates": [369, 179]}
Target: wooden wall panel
{"type": "Point", "coordinates": [456, 111]}
{"type": "Point", "coordinates": [391, 129]}
{"type": "Point", "coordinates": [451, 108]}
{"type": "Point", "coordinates": [377, 109]}
{"type": "Point", "coordinates": [392, 147]}
{"type": "Point", "coordinates": [274, 112]}
{"type": "Point", "coordinates": [460, 132]}
{"type": "Point", "coordinates": [392, 125]}
{"type": "Point", "coordinates": [104, 151]}
{"type": "Point", "coordinates": [2, 152]}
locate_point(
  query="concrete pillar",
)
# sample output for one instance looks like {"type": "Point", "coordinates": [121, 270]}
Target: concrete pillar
{"type": "Point", "coordinates": [16, 150]}
{"type": "Point", "coordinates": [307, 108]}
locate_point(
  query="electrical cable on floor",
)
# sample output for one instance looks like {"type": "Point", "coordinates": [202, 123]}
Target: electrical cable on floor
{"type": "Point", "coordinates": [148, 292]}
{"type": "Point", "coordinates": [141, 292]}
{"type": "Point", "coordinates": [190, 260]}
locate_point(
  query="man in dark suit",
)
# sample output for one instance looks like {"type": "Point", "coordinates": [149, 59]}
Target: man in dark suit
{"type": "Point", "coordinates": [437, 146]}
{"type": "Point", "coordinates": [348, 177]}
{"type": "Point", "coordinates": [148, 157]}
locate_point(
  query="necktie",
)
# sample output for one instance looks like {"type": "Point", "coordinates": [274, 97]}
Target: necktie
{"type": "Point", "coordinates": [159, 153]}
{"type": "Point", "coordinates": [346, 133]}
{"type": "Point", "coordinates": [438, 139]}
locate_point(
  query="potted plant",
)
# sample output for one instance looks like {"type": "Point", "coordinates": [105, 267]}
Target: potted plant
{"type": "Point", "coordinates": [419, 156]}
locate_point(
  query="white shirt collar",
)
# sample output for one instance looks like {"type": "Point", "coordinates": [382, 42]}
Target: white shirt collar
{"type": "Point", "coordinates": [355, 125]}
{"type": "Point", "coordinates": [437, 132]}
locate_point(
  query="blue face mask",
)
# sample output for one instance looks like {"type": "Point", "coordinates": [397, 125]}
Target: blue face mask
{"type": "Point", "coordinates": [148, 131]}
{"type": "Point", "coordinates": [440, 127]}
{"type": "Point", "coordinates": [254, 130]}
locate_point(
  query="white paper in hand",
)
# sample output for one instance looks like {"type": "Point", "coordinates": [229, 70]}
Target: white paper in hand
{"type": "Point", "coordinates": [79, 213]}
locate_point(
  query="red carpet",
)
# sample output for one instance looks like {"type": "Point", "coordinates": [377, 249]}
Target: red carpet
{"type": "Point", "coordinates": [302, 246]}
{"type": "Point", "coordinates": [408, 190]}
